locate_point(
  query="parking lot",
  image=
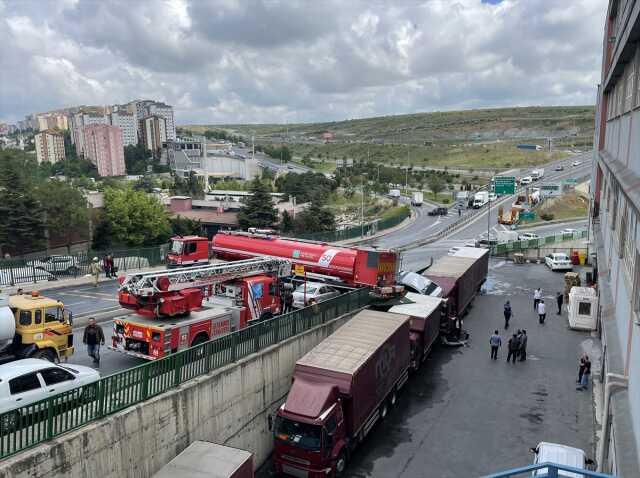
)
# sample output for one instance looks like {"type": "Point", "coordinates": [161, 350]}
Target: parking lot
{"type": "Point", "coordinates": [466, 415]}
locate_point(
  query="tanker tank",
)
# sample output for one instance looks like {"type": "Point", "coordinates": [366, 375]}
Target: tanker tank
{"type": "Point", "coordinates": [7, 323]}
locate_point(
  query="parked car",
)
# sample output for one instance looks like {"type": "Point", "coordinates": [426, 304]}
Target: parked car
{"type": "Point", "coordinates": [559, 167]}
{"type": "Point", "coordinates": [558, 261]}
{"type": "Point", "coordinates": [472, 243]}
{"type": "Point", "coordinates": [559, 454]}
{"type": "Point", "coordinates": [314, 290]}
{"type": "Point", "coordinates": [576, 163]}
{"type": "Point", "coordinates": [487, 243]}
{"type": "Point", "coordinates": [27, 381]}
{"type": "Point", "coordinates": [56, 264]}
{"type": "Point", "coordinates": [527, 236]}
{"type": "Point", "coordinates": [439, 211]}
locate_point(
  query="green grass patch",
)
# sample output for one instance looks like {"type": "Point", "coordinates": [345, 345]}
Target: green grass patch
{"type": "Point", "coordinates": [567, 206]}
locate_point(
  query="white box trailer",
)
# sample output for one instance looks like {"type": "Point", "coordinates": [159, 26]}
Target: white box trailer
{"type": "Point", "coordinates": [583, 308]}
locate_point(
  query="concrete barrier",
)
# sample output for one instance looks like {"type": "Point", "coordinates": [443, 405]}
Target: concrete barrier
{"type": "Point", "coordinates": [230, 406]}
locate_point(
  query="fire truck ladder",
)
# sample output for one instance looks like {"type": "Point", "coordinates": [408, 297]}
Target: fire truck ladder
{"type": "Point", "coordinates": [150, 283]}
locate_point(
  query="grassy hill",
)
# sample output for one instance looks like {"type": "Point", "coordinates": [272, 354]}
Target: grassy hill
{"type": "Point", "coordinates": [483, 138]}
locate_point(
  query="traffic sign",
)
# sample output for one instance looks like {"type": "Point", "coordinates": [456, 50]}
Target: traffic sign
{"type": "Point", "coordinates": [504, 185]}
{"type": "Point", "coordinates": [298, 269]}
{"type": "Point", "coordinates": [550, 190]}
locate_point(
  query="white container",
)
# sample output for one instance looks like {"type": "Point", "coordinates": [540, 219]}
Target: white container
{"type": "Point", "coordinates": [582, 308]}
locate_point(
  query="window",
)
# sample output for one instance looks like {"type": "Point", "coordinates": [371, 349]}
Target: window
{"type": "Point", "coordinates": [191, 247]}
{"type": "Point", "coordinates": [25, 317]}
{"type": "Point", "coordinates": [628, 101]}
{"type": "Point", "coordinates": [584, 308]}
{"type": "Point", "coordinates": [331, 425]}
{"type": "Point", "coordinates": [630, 241]}
{"type": "Point", "coordinates": [635, 290]}
{"type": "Point", "coordinates": [51, 314]}
{"type": "Point", "coordinates": [55, 375]}
{"type": "Point", "coordinates": [37, 316]}
{"type": "Point", "coordinates": [24, 383]}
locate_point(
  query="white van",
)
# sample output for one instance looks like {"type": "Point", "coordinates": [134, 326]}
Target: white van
{"type": "Point", "coordinates": [558, 454]}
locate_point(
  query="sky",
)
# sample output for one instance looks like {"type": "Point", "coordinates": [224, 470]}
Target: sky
{"type": "Point", "coordinates": [252, 61]}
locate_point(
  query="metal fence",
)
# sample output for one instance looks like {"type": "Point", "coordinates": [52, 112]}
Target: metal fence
{"type": "Point", "coordinates": [33, 424]}
{"type": "Point", "coordinates": [516, 246]}
{"type": "Point", "coordinates": [548, 470]}
{"type": "Point", "coordinates": [48, 268]}
{"type": "Point", "coordinates": [358, 231]}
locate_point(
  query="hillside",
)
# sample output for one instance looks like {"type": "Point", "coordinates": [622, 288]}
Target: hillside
{"type": "Point", "coordinates": [483, 138]}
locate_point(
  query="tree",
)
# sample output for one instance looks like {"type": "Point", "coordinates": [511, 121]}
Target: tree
{"type": "Point", "coordinates": [146, 183]}
{"type": "Point", "coordinates": [183, 226]}
{"type": "Point", "coordinates": [436, 184]}
{"type": "Point", "coordinates": [136, 159]}
{"type": "Point", "coordinates": [191, 186]}
{"type": "Point", "coordinates": [258, 211]}
{"type": "Point", "coordinates": [21, 214]}
{"type": "Point", "coordinates": [286, 223]}
{"type": "Point", "coordinates": [135, 217]}
{"type": "Point", "coordinates": [315, 218]}
{"type": "Point", "coordinates": [65, 210]}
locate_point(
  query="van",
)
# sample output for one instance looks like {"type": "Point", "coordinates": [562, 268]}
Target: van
{"type": "Point", "coordinates": [558, 454]}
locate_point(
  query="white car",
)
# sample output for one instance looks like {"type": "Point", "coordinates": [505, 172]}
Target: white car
{"type": "Point", "coordinates": [576, 163]}
{"type": "Point", "coordinates": [526, 180]}
{"type": "Point", "coordinates": [558, 261]}
{"type": "Point", "coordinates": [27, 381]}
{"type": "Point", "coordinates": [527, 236]}
{"type": "Point", "coordinates": [493, 197]}
{"type": "Point", "coordinates": [547, 452]}
{"type": "Point", "coordinates": [56, 264]}
{"type": "Point", "coordinates": [314, 290]}
{"type": "Point", "coordinates": [568, 231]}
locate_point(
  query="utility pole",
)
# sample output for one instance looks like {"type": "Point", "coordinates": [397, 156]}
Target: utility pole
{"type": "Point", "coordinates": [362, 214]}
{"type": "Point", "coordinates": [489, 225]}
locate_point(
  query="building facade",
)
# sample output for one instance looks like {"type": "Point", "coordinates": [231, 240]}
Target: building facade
{"type": "Point", "coordinates": [49, 146]}
{"type": "Point", "coordinates": [153, 132]}
{"type": "Point", "coordinates": [615, 228]}
{"type": "Point", "coordinates": [128, 124]}
{"type": "Point", "coordinates": [164, 111]}
{"type": "Point", "coordinates": [103, 147]}
{"type": "Point", "coordinates": [79, 121]}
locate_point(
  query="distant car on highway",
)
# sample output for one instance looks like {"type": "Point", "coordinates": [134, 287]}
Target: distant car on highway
{"type": "Point", "coordinates": [526, 180]}
{"type": "Point", "coordinates": [439, 211]}
{"type": "Point", "coordinates": [559, 167]}
{"type": "Point", "coordinates": [313, 290]}
{"type": "Point", "coordinates": [568, 231]}
{"type": "Point", "coordinates": [527, 236]}
{"type": "Point", "coordinates": [576, 163]}
{"type": "Point", "coordinates": [558, 261]}
{"type": "Point", "coordinates": [493, 197]}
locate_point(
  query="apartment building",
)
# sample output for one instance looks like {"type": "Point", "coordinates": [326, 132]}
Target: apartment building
{"type": "Point", "coordinates": [128, 124]}
{"type": "Point", "coordinates": [164, 111]}
{"type": "Point", "coordinates": [153, 132]}
{"type": "Point", "coordinates": [615, 218]}
{"type": "Point", "coordinates": [49, 146]}
{"type": "Point", "coordinates": [103, 147]}
{"type": "Point", "coordinates": [82, 119]}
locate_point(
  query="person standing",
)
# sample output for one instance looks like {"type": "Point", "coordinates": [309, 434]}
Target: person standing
{"type": "Point", "coordinates": [523, 346]}
{"type": "Point", "coordinates": [542, 311]}
{"type": "Point", "coordinates": [495, 341]}
{"type": "Point", "coordinates": [559, 300]}
{"type": "Point", "coordinates": [288, 301]}
{"type": "Point", "coordinates": [537, 296]}
{"type": "Point", "coordinates": [513, 347]}
{"type": "Point", "coordinates": [93, 338]}
{"type": "Point", "coordinates": [94, 270]}
{"type": "Point", "coordinates": [112, 267]}
{"type": "Point", "coordinates": [581, 367]}
{"type": "Point", "coordinates": [584, 380]}
{"type": "Point", "coordinates": [507, 314]}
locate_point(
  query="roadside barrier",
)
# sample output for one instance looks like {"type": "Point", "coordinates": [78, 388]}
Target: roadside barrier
{"type": "Point", "coordinates": [516, 246]}
{"type": "Point", "coordinates": [30, 425]}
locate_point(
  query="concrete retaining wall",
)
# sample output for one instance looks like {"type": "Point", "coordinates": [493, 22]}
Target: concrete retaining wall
{"type": "Point", "coordinates": [229, 406]}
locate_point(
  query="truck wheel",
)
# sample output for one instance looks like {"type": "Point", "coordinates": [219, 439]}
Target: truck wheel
{"type": "Point", "coordinates": [46, 354]}
{"type": "Point", "coordinates": [341, 463]}
{"type": "Point", "coordinates": [384, 410]}
{"type": "Point", "coordinates": [394, 398]}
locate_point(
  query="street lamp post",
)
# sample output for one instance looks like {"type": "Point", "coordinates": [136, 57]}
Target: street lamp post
{"type": "Point", "coordinates": [489, 224]}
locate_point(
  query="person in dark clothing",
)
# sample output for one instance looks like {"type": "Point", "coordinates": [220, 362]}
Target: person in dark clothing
{"type": "Point", "coordinates": [584, 380]}
{"type": "Point", "coordinates": [93, 338]}
{"type": "Point", "coordinates": [581, 367]}
{"type": "Point", "coordinates": [559, 300]}
{"type": "Point", "coordinates": [507, 314]}
{"type": "Point", "coordinates": [523, 346]}
{"type": "Point", "coordinates": [514, 345]}
{"type": "Point", "coordinates": [495, 341]}
{"type": "Point", "coordinates": [288, 301]}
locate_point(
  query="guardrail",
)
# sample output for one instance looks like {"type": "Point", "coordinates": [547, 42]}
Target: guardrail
{"type": "Point", "coordinates": [548, 470]}
{"type": "Point", "coordinates": [36, 423]}
{"type": "Point", "coordinates": [47, 268]}
{"type": "Point", "coordinates": [516, 246]}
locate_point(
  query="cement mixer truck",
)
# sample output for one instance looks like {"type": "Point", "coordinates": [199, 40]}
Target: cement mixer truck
{"type": "Point", "coordinates": [33, 326]}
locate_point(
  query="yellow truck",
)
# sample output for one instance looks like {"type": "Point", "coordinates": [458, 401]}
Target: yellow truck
{"type": "Point", "coordinates": [33, 326]}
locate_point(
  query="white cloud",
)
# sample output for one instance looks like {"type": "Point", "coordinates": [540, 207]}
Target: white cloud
{"type": "Point", "coordinates": [276, 60]}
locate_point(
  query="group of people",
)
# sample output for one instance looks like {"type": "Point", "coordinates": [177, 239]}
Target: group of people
{"type": "Point", "coordinates": [108, 267]}
{"type": "Point", "coordinates": [516, 346]}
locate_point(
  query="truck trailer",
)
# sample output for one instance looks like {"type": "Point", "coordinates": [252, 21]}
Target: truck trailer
{"type": "Point", "coordinates": [340, 390]}
{"type": "Point", "coordinates": [417, 199]}
{"type": "Point", "coordinates": [480, 199]}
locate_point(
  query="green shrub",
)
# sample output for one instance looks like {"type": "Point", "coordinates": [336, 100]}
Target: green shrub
{"type": "Point", "coordinates": [445, 201]}
{"type": "Point", "coordinates": [545, 216]}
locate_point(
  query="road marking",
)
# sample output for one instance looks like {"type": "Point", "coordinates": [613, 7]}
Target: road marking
{"type": "Point", "coordinates": [87, 296]}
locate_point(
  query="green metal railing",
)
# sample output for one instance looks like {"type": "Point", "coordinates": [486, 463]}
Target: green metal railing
{"type": "Point", "coordinates": [358, 231]}
{"type": "Point", "coordinates": [33, 424]}
{"type": "Point", "coordinates": [516, 246]}
{"type": "Point", "coordinates": [46, 268]}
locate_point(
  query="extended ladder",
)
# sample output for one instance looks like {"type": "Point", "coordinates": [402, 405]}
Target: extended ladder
{"type": "Point", "coordinates": [150, 283]}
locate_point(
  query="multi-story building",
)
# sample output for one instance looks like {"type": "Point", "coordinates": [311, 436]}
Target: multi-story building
{"type": "Point", "coordinates": [82, 119]}
{"type": "Point", "coordinates": [166, 112]}
{"type": "Point", "coordinates": [49, 146]}
{"type": "Point", "coordinates": [128, 124]}
{"type": "Point", "coordinates": [103, 147]}
{"type": "Point", "coordinates": [615, 227]}
{"type": "Point", "coordinates": [153, 132]}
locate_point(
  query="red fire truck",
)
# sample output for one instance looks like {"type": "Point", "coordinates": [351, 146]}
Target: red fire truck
{"type": "Point", "coordinates": [350, 266]}
{"type": "Point", "coordinates": [185, 307]}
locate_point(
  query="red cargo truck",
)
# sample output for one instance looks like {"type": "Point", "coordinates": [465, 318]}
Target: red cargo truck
{"type": "Point", "coordinates": [460, 277]}
{"type": "Point", "coordinates": [426, 315]}
{"type": "Point", "coordinates": [203, 458]}
{"type": "Point", "coordinates": [340, 390]}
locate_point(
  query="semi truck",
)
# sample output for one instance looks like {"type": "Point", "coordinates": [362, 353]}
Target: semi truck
{"type": "Point", "coordinates": [480, 199]}
{"type": "Point", "coordinates": [340, 389]}
{"type": "Point", "coordinates": [462, 196]}
{"type": "Point", "coordinates": [417, 198]}
{"type": "Point", "coordinates": [537, 174]}
{"type": "Point", "coordinates": [206, 459]}
{"type": "Point", "coordinates": [460, 276]}
{"type": "Point", "coordinates": [34, 326]}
